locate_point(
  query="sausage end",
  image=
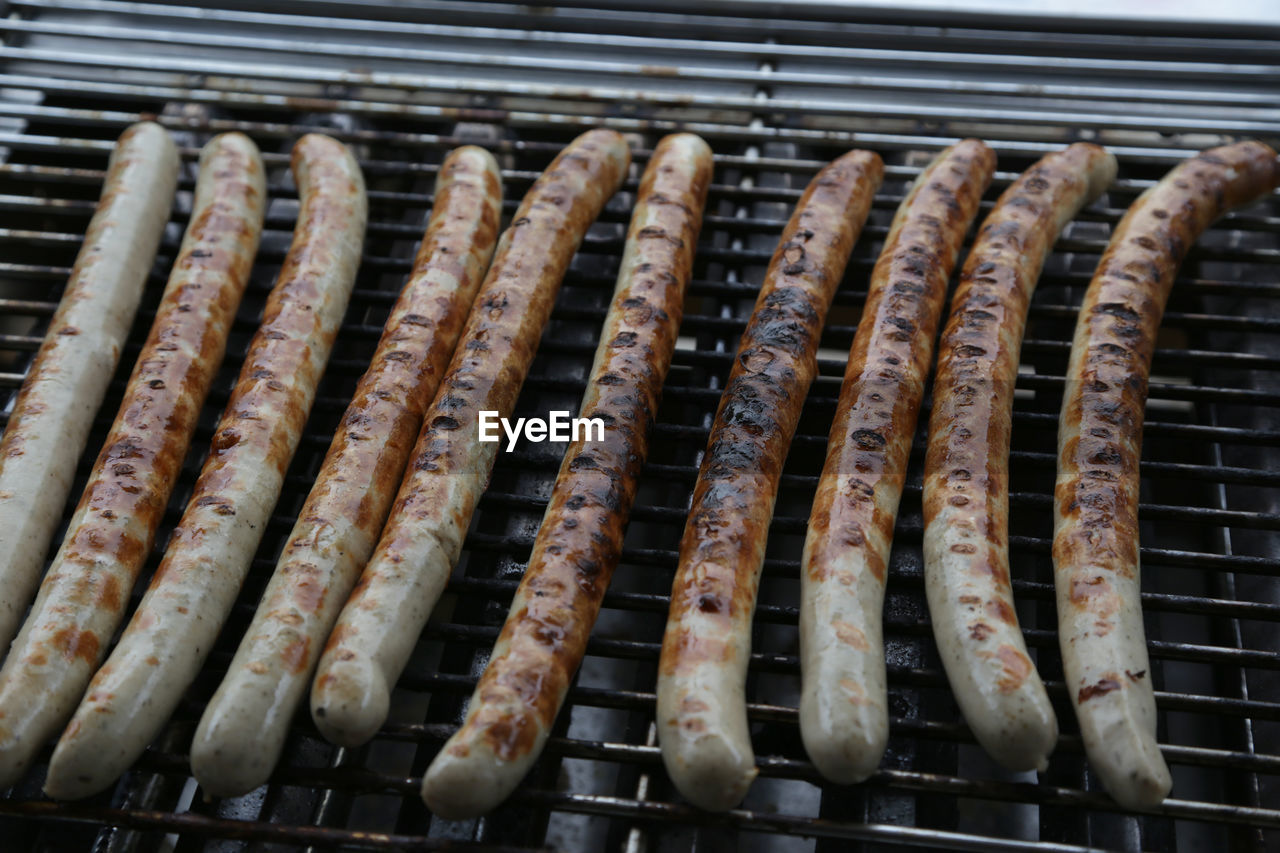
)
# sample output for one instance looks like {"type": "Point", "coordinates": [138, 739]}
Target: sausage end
{"type": "Point", "coordinates": [350, 701]}
{"type": "Point", "coordinates": [711, 771]}
{"type": "Point", "coordinates": [461, 787]}
{"type": "Point", "coordinates": [74, 777]}
{"type": "Point", "coordinates": [230, 766]}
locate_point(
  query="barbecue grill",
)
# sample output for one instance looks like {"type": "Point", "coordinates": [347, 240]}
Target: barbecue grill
{"type": "Point", "coordinates": [777, 92]}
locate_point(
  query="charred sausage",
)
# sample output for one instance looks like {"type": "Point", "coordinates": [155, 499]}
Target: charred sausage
{"type": "Point", "coordinates": [243, 729]}
{"type": "Point", "coordinates": [67, 380]}
{"type": "Point", "coordinates": [844, 719]}
{"type": "Point", "coordinates": [87, 587]}
{"type": "Point", "coordinates": [580, 540]}
{"type": "Point", "coordinates": [702, 712]}
{"type": "Point", "coordinates": [966, 480]}
{"type": "Point", "coordinates": [133, 694]}
{"type": "Point", "coordinates": [1095, 543]}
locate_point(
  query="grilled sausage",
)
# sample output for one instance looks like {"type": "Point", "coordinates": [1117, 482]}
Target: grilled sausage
{"type": "Point", "coordinates": [133, 694]}
{"type": "Point", "coordinates": [844, 719]}
{"type": "Point", "coordinates": [580, 540]}
{"type": "Point", "coordinates": [379, 626]}
{"type": "Point", "coordinates": [1095, 543]}
{"type": "Point", "coordinates": [87, 587]}
{"type": "Point", "coordinates": [469, 182]}
{"type": "Point", "coordinates": [242, 732]}
{"type": "Point", "coordinates": [966, 480]}
{"type": "Point", "coordinates": [51, 418]}
{"type": "Point", "coordinates": [702, 712]}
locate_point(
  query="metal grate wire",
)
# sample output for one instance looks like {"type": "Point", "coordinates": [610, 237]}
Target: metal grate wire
{"type": "Point", "coordinates": [775, 98]}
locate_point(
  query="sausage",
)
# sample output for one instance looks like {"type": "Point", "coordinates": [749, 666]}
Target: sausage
{"type": "Point", "coordinates": [379, 626]}
{"type": "Point", "coordinates": [478, 169]}
{"type": "Point", "coordinates": [68, 378]}
{"type": "Point", "coordinates": [966, 475]}
{"type": "Point", "coordinates": [580, 541]}
{"type": "Point", "coordinates": [1095, 542]}
{"type": "Point", "coordinates": [83, 596]}
{"type": "Point", "coordinates": [243, 729]}
{"type": "Point", "coordinates": [134, 693]}
{"type": "Point", "coordinates": [844, 718]}
{"type": "Point", "coordinates": [702, 712]}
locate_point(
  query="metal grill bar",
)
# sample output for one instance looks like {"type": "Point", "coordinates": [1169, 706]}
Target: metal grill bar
{"type": "Point", "coordinates": [1152, 121]}
{"type": "Point", "coordinates": [695, 50]}
{"type": "Point", "coordinates": [571, 124]}
{"type": "Point", "coordinates": [1182, 49]}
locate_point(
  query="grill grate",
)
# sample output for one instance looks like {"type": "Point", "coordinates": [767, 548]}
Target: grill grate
{"type": "Point", "coordinates": [775, 98]}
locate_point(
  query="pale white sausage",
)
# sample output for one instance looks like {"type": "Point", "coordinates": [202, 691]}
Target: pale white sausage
{"type": "Point", "coordinates": [65, 385]}
{"type": "Point", "coordinates": [167, 640]}
{"type": "Point", "coordinates": [84, 595]}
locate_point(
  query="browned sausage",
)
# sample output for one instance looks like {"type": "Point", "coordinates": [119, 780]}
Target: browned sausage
{"type": "Point", "coordinates": [68, 378]}
{"type": "Point", "coordinates": [243, 729]}
{"type": "Point", "coordinates": [702, 712]}
{"type": "Point", "coordinates": [580, 541]}
{"type": "Point", "coordinates": [966, 480]}
{"type": "Point", "coordinates": [844, 715]}
{"type": "Point", "coordinates": [378, 628]}
{"type": "Point", "coordinates": [1095, 543]}
{"type": "Point", "coordinates": [464, 226]}
{"type": "Point", "coordinates": [162, 648]}
{"type": "Point", "coordinates": [87, 588]}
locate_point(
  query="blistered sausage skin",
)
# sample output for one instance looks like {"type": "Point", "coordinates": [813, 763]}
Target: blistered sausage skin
{"type": "Point", "coordinates": [580, 540]}
{"type": "Point", "coordinates": [966, 480]}
{"type": "Point", "coordinates": [243, 729]}
{"type": "Point", "coordinates": [1095, 543]}
{"type": "Point", "coordinates": [844, 718]}
{"type": "Point", "coordinates": [702, 712]}
{"type": "Point", "coordinates": [449, 467]}
{"type": "Point", "coordinates": [162, 648]}
{"type": "Point", "coordinates": [68, 378]}
{"type": "Point", "coordinates": [83, 596]}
